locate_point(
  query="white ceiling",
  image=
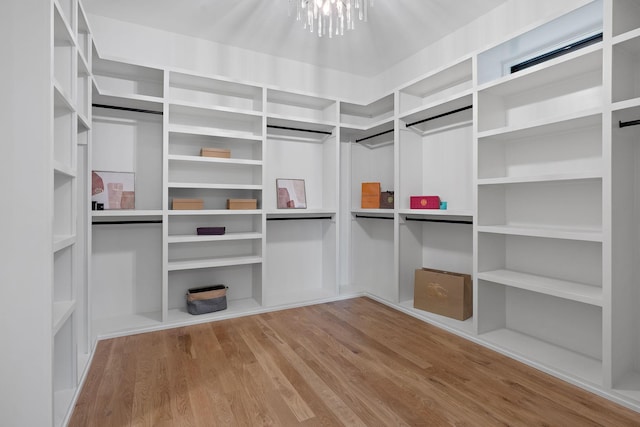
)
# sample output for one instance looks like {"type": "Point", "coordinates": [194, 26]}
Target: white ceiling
{"type": "Point", "coordinates": [396, 29]}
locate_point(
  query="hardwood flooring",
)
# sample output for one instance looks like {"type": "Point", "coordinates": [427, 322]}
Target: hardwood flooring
{"type": "Point", "coordinates": [355, 363]}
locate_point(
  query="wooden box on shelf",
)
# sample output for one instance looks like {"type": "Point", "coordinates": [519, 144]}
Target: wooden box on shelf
{"type": "Point", "coordinates": [187, 204]}
{"type": "Point", "coordinates": [240, 204]}
{"type": "Point", "coordinates": [370, 195]}
{"type": "Point", "coordinates": [442, 292]}
{"type": "Point", "coordinates": [223, 153]}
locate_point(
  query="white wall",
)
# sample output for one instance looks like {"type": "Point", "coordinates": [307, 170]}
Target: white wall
{"type": "Point", "coordinates": [118, 39]}
{"type": "Point", "coordinates": [512, 18]}
{"type": "Point", "coordinates": [147, 45]}
{"type": "Point", "coordinates": [26, 215]}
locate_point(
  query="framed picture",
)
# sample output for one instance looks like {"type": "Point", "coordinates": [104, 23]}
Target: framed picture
{"type": "Point", "coordinates": [114, 190]}
{"type": "Point", "coordinates": [291, 194]}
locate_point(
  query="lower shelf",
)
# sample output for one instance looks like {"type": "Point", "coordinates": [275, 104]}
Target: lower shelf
{"type": "Point", "coordinates": [558, 359]}
{"type": "Point", "coordinates": [235, 308]}
{"type": "Point", "coordinates": [121, 325]}
{"type": "Point", "coordinates": [62, 405]}
{"type": "Point", "coordinates": [146, 322]}
{"type": "Point", "coordinates": [213, 262]}
{"type": "Point", "coordinates": [463, 326]}
{"type": "Point", "coordinates": [629, 386]}
{"type": "Point", "coordinates": [297, 296]}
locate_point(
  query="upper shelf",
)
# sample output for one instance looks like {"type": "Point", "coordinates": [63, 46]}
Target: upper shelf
{"type": "Point", "coordinates": [356, 116]}
{"type": "Point", "coordinates": [438, 86]}
{"type": "Point", "coordinates": [123, 79]}
{"type": "Point", "coordinates": [301, 108]}
{"type": "Point", "coordinates": [210, 91]}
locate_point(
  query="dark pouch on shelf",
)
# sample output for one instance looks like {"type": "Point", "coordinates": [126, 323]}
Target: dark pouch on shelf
{"type": "Point", "coordinates": [207, 299]}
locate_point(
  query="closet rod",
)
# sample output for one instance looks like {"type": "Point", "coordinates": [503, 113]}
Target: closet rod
{"type": "Point", "coordinates": [557, 52]}
{"type": "Point", "coordinates": [468, 107]}
{"type": "Point", "coordinates": [301, 217]}
{"type": "Point", "coordinates": [373, 136]}
{"type": "Point", "coordinates": [631, 123]}
{"type": "Point", "coordinates": [324, 132]}
{"type": "Point", "coordinates": [151, 221]}
{"type": "Point", "coordinates": [135, 110]}
{"type": "Point", "coordinates": [372, 217]}
{"type": "Point", "coordinates": [445, 221]}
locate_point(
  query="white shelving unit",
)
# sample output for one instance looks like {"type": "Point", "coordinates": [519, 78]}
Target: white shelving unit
{"type": "Point", "coordinates": [436, 157]}
{"type": "Point", "coordinates": [301, 142]}
{"type": "Point", "coordinates": [205, 112]}
{"type": "Point", "coordinates": [625, 200]}
{"type": "Point", "coordinates": [71, 132]}
{"type": "Point", "coordinates": [540, 197]}
{"type": "Point", "coordinates": [367, 133]}
{"type": "Point", "coordinates": [126, 245]}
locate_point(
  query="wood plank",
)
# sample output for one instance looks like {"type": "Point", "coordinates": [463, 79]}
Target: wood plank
{"type": "Point", "coordinates": [354, 362]}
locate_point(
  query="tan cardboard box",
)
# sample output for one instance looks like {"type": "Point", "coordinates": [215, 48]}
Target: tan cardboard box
{"type": "Point", "coordinates": [215, 152]}
{"type": "Point", "coordinates": [187, 204]}
{"type": "Point", "coordinates": [242, 204]}
{"type": "Point", "coordinates": [442, 292]}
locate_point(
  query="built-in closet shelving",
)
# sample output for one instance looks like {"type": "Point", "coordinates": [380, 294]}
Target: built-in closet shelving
{"type": "Point", "coordinates": [301, 143]}
{"type": "Point", "coordinates": [625, 199]}
{"type": "Point", "coordinates": [211, 113]}
{"type": "Point", "coordinates": [539, 177]}
{"type": "Point", "coordinates": [126, 266]}
{"type": "Point", "coordinates": [367, 134]}
{"type": "Point", "coordinates": [71, 134]}
{"type": "Point", "coordinates": [435, 155]}
{"type": "Point", "coordinates": [540, 212]}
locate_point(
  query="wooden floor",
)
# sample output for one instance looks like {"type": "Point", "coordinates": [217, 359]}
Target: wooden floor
{"type": "Point", "coordinates": [354, 362]}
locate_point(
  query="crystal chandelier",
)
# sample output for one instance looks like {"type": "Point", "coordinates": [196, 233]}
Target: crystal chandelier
{"type": "Point", "coordinates": [331, 16]}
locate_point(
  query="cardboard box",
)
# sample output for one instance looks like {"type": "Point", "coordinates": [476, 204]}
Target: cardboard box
{"type": "Point", "coordinates": [370, 195]}
{"type": "Point", "coordinates": [386, 200]}
{"type": "Point", "coordinates": [241, 204]}
{"type": "Point", "coordinates": [442, 292]}
{"type": "Point", "coordinates": [425, 202]}
{"type": "Point", "coordinates": [215, 152]}
{"type": "Point", "coordinates": [187, 204]}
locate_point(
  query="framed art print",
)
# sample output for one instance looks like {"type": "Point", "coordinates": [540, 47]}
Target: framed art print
{"type": "Point", "coordinates": [115, 190]}
{"type": "Point", "coordinates": [291, 193]}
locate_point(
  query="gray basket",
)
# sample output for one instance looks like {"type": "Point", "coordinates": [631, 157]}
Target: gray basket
{"type": "Point", "coordinates": [207, 300]}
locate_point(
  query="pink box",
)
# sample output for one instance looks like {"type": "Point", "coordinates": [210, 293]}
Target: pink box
{"type": "Point", "coordinates": [425, 202]}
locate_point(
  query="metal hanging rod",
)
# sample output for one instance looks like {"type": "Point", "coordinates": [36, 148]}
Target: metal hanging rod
{"type": "Point", "coordinates": [298, 218]}
{"type": "Point", "coordinates": [627, 124]}
{"type": "Point", "coordinates": [372, 217]}
{"type": "Point", "coordinates": [323, 132]}
{"type": "Point", "coordinates": [468, 107]}
{"type": "Point", "coordinates": [135, 110]}
{"type": "Point", "coordinates": [445, 221]}
{"type": "Point", "coordinates": [557, 52]}
{"type": "Point", "coordinates": [150, 221]}
{"type": "Point", "coordinates": [373, 136]}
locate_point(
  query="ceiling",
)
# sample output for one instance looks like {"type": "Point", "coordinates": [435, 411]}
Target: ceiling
{"type": "Point", "coordinates": [396, 29]}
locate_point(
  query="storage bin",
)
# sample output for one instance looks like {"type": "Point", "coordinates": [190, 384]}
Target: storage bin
{"type": "Point", "coordinates": [210, 231]}
{"type": "Point", "coordinates": [207, 299]}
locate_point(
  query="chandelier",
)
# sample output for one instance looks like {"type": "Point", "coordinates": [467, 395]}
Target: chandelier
{"type": "Point", "coordinates": [329, 17]}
